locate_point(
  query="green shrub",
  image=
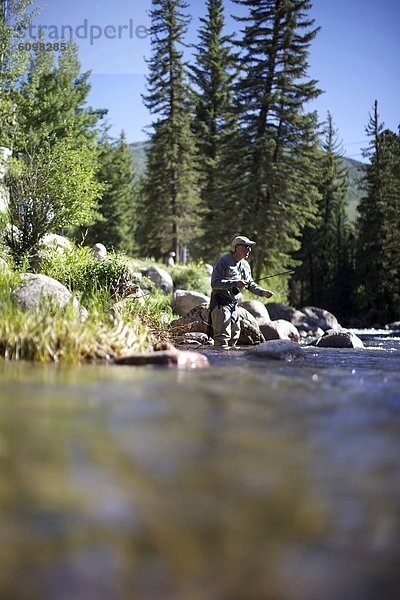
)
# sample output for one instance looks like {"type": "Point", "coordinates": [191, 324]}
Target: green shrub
{"type": "Point", "coordinates": [91, 280]}
{"type": "Point", "coordinates": [191, 277]}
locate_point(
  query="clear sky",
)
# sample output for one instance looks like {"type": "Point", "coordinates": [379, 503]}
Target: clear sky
{"type": "Point", "coordinates": [355, 58]}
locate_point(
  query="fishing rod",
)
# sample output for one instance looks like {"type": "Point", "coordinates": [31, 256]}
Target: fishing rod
{"type": "Point", "coordinates": [276, 275]}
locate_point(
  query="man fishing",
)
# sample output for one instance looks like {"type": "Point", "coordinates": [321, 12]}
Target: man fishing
{"type": "Point", "coordinates": [231, 274]}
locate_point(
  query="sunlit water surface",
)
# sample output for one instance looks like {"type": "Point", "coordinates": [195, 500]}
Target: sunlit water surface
{"type": "Point", "coordinates": [251, 480]}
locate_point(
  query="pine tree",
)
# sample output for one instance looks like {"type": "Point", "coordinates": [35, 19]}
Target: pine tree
{"type": "Point", "coordinates": [213, 75]}
{"type": "Point", "coordinates": [115, 215]}
{"type": "Point", "coordinates": [326, 270]}
{"type": "Point", "coordinates": [280, 137]}
{"type": "Point", "coordinates": [52, 100]}
{"type": "Point", "coordinates": [378, 252]}
{"type": "Point", "coordinates": [170, 198]}
{"type": "Point", "coordinates": [15, 15]}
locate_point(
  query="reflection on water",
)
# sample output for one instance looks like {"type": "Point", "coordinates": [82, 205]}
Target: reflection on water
{"type": "Point", "coordinates": [253, 480]}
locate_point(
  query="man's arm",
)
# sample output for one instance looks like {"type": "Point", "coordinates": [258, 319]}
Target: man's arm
{"type": "Point", "coordinates": [219, 281]}
{"type": "Point", "coordinates": [253, 287]}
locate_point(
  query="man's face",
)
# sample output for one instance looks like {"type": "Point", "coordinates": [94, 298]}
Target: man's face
{"type": "Point", "coordinates": [243, 251]}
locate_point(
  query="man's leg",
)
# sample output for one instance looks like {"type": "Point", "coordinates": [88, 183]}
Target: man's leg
{"type": "Point", "coordinates": [221, 324]}
{"type": "Point", "coordinates": [235, 327]}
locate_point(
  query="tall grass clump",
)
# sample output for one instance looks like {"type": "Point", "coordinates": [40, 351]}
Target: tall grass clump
{"type": "Point", "coordinates": [94, 282]}
{"type": "Point", "coordinates": [51, 333]}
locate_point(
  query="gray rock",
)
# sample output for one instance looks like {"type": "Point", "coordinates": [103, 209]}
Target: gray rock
{"type": "Point", "coordinates": [208, 268]}
{"type": "Point", "coordinates": [277, 349]}
{"type": "Point", "coordinates": [258, 310]}
{"type": "Point", "coordinates": [395, 326]}
{"type": "Point", "coordinates": [185, 300]}
{"type": "Point", "coordinates": [318, 317]}
{"type": "Point", "coordinates": [161, 278]}
{"type": "Point", "coordinates": [280, 330]}
{"type": "Point", "coordinates": [339, 339]}
{"type": "Point", "coordinates": [197, 336]}
{"type": "Point", "coordinates": [249, 330]}
{"type": "Point", "coordinates": [197, 320]}
{"type": "Point", "coordinates": [59, 243]}
{"type": "Point", "coordinates": [308, 319]}
{"type": "Point", "coordinates": [37, 288]}
{"type": "Point", "coordinates": [99, 251]}
{"type": "Point", "coordinates": [167, 358]}
{"type": "Point", "coordinates": [288, 313]}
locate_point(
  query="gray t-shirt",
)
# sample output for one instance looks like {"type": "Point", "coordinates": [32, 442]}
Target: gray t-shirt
{"type": "Point", "coordinates": [227, 272]}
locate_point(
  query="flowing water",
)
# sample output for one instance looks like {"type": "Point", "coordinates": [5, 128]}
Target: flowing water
{"type": "Point", "coordinates": [251, 480]}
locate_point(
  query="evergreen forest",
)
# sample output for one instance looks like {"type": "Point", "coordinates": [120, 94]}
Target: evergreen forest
{"type": "Point", "coordinates": [233, 148]}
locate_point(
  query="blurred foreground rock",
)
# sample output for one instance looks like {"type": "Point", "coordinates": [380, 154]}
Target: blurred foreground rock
{"type": "Point", "coordinates": [165, 358]}
{"type": "Point", "coordinates": [277, 349]}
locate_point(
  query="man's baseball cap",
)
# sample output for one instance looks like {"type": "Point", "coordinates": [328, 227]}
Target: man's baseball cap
{"type": "Point", "coordinates": [241, 240]}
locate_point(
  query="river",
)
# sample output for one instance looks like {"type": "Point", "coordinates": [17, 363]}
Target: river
{"type": "Point", "coordinates": [251, 480]}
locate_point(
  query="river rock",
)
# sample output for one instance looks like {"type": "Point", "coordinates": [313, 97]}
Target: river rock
{"type": "Point", "coordinates": [276, 311]}
{"type": "Point", "coordinates": [185, 300]}
{"type": "Point", "coordinates": [99, 251]}
{"type": "Point", "coordinates": [167, 358]}
{"type": "Point", "coordinates": [395, 326]}
{"type": "Point", "coordinates": [36, 287]}
{"type": "Point", "coordinates": [197, 320]}
{"type": "Point", "coordinates": [319, 317]}
{"type": "Point", "coordinates": [280, 330]}
{"type": "Point", "coordinates": [161, 278]}
{"type": "Point", "coordinates": [339, 339]}
{"type": "Point", "coordinates": [249, 330]}
{"type": "Point", "coordinates": [258, 310]}
{"type": "Point", "coordinates": [277, 349]}
{"type": "Point", "coordinates": [194, 338]}
{"type": "Point", "coordinates": [310, 320]}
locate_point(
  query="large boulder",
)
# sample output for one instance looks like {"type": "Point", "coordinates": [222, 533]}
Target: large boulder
{"type": "Point", "coordinates": [185, 300]}
{"type": "Point", "coordinates": [276, 311]}
{"type": "Point", "coordinates": [277, 349]}
{"type": "Point", "coordinates": [280, 330]}
{"type": "Point", "coordinates": [318, 317]}
{"type": "Point", "coordinates": [197, 320]}
{"type": "Point", "coordinates": [258, 310]}
{"type": "Point", "coordinates": [37, 288]}
{"type": "Point", "coordinates": [161, 278]}
{"type": "Point", "coordinates": [249, 330]}
{"type": "Point", "coordinates": [339, 339]}
{"type": "Point", "coordinates": [310, 320]}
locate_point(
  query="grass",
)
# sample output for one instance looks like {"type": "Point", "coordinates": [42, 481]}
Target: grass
{"type": "Point", "coordinates": [49, 333]}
